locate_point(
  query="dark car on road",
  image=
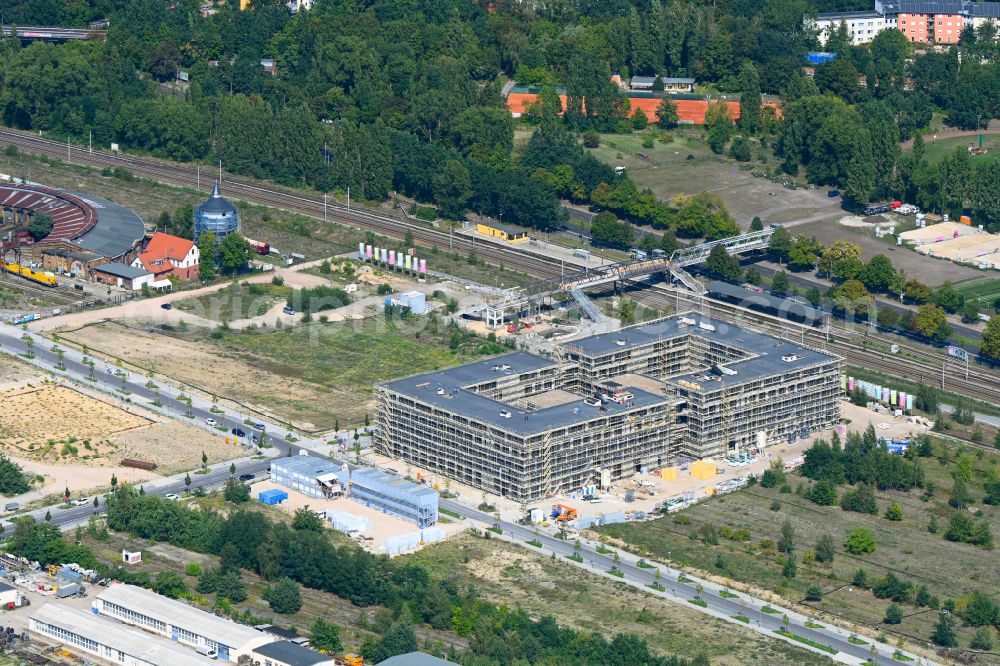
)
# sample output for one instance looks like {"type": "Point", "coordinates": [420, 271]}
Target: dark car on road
{"type": "Point", "coordinates": [239, 432]}
{"type": "Point", "coordinates": [833, 193]}
{"type": "Point", "coordinates": [166, 306]}
{"type": "Point", "coordinates": [259, 426]}
{"type": "Point", "coordinates": [246, 477]}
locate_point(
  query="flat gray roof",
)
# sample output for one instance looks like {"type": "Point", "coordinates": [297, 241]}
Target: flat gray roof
{"type": "Point", "coordinates": [305, 465]}
{"type": "Point", "coordinates": [117, 229]}
{"type": "Point", "coordinates": [454, 398]}
{"type": "Point", "coordinates": [292, 654]}
{"type": "Point", "coordinates": [835, 16]}
{"type": "Point", "coordinates": [765, 352]}
{"type": "Point", "coordinates": [122, 271]}
{"type": "Point", "coordinates": [180, 614]}
{"type": "Point", "coordinates": [134, 642]}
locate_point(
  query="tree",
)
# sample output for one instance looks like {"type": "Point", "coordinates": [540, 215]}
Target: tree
{"type": "Point", "coordinates": [947, 298]}
{"type": "Point", "coordinates": [931, 322]}
{"type": "Point", "coordinates": [990, 346]}
{"type": "Point", "coordinates": [234, 253]}
{"type": "Point", "coordinates": [878, 273]}
{"type": "Point", "coordinates": [823, 493]}
{"type": "Point", "coordinates": [780, 284]}
{"type": "Point", "coordinates": [453, 189]}
{"type": "Point", "coordinates": [887, 317]}
{"type": "Point", "coordinates": [982, 640]}
{"type": "Point", "coordinates": [739, 149]}
{"type": "Point", "coordinates": [756, 224]}
{"type": "Point", "coordinates": [852, 296]}
{"type": "Point", "coordinates": [666, 113]}
{"type": "Point", "coordinates": [780, 244]}
{"type": "Point", "coordinates": [814, 593]}
{"type": "Point", "coordinates": [804, 253]}
{"type": "Point", "coordinates": [12, 477]}
{"type": "Point", "coordinates": [170, 584]}
{"type": "Point", "coordinates": [944, 631]}
{"type": "Point", "coordinates": [841, 260]}
{"type": "Point", "coordinates": [859, 500]}
{"type": "Point", "coordinates": [208, 252]}
{"type": "Point", "coordinates": [894, 512]}
{"type": "Point", "coordinates": [325, 636]}
{"type": "Point", "coordinates": [981, 611]}
{"type": "Point", "coordinates": [893, 614]}
{"type": "Point", "coordinates": [284, 596]}
{"type": "Point", "coordinates": [960, 496]}
{"type": "Point", "coordinates": [860, 541]}
{"type": "Point", "coordinates": [307, 520]}
{"type": "Point", "coordinates": [774, 475]}
{"type": "Point", "coordinates": [718, 126]}
{"type": "Point", "coordinates": [607, 230]}
{"type": "Point", "coordinates": [40, 226]}
{"type": "Point", "coordinates": [236, 491]}
{"type": "Point", "coordinates": [786, 544]}
{"type": "Point", "coordinates": [400, 639]}
{"type": "Point", "coordinates": [789, 569]}
{"type": "Point", "coordinates": [825, 549]}
{"type": "Point", "coordinates": [723, 264]}
{"type": "Point", "coordinates": [750, 105]}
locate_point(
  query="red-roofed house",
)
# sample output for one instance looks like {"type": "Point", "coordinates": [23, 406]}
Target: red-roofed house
{"type": "Point", "coordinates": [169, 255]}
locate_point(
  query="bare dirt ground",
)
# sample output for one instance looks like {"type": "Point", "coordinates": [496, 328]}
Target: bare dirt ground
{"type": "Point", "coordinates": [923, 268]}
{"type": "Point", "coordinates": [17, 374]}
{"type": "Point", "coordinates": [53, 423]}
{"type": "Point", "coordinates": [195, 364]}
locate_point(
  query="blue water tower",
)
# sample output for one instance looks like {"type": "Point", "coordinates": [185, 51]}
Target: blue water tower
{"type": "Point", "coordinates": [217, 215]}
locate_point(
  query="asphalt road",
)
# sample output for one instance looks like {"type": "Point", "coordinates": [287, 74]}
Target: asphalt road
{"type": "Point", "coordinates": [11, 342]}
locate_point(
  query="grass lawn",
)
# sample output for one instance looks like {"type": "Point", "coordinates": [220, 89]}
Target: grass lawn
{"type": "Point", "coordinates": [936, 150]}
{"type": "Point", "coordinates": [986, 292]}
{"type": "Point", "coordinates": [516, 577]}
{"type": "Point", "coordinates": [237, 301]}
{"type": "Point", "coordinates": [906, 548]}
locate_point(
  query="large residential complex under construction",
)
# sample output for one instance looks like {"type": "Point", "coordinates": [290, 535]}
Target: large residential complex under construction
{"type": "Point", "coordinates": [524, 426]}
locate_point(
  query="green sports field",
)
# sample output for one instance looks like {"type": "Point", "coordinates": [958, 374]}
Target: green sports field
{"type": "Point", "coordinates": [985, 291]}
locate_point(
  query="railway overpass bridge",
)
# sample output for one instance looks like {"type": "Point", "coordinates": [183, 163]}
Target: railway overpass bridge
{"type": "Point", "coordinates": [522, 298]}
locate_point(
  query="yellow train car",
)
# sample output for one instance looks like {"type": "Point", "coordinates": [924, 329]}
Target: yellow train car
{"type": "Point", "coordinates": [28, 274]}
{"type": "Point", "coordinates": [503, 233]}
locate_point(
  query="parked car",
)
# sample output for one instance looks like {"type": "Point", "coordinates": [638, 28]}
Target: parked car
{"type": "Point", "coordinates": [166, 306]}
{"type": "Point", "coordinates": [82, 501]}
{"type": "Point", "coordinates": [247, 477]}
{"type": "Point", "coordinates": [212, 422]}
{"type": "Point", "coordinates": [239, 432]}
{"type": "Point", "coordinates": [173, 497]}
{"type": "Point", "coordinates": [78, 287]}
{"type": "Point", "coordinates": [833, 193]}
{"type": "Point", "coordinates": [288, 310]}
{"type": "Point", "coordinates": [259, 426]}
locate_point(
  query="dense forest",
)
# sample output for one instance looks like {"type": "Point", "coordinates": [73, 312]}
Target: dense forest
{"type": "Point", "coordinates": [406, 95]}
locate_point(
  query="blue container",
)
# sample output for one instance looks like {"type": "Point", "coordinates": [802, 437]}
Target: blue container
{"type": "Point", "coordinates": [272, 497]}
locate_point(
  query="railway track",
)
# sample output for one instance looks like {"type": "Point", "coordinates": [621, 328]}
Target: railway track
{"type": "Point", "coordinates": [948, 375]}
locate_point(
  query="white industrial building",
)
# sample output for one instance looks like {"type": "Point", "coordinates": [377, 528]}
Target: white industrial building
{"type": "Point", "coordinates": [861, 26]}
{"type": "Point", "coordinates": [108, 640]}
{"type": "Point", "coordinates": [179, 622]}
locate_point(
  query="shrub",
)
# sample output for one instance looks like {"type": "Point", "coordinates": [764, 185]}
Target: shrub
{"type": "Point", "coordinates": [893, 614]}
{"type": "Point", "coordinates": [860, 541]}
{"type": "Point", "coordinates": [814, 593]}
{"type": "Point", "coordinates": [894, 512]}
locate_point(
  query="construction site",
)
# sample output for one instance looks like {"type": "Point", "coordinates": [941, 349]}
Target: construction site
{"type": "Point", "coordinates": [608, 406]}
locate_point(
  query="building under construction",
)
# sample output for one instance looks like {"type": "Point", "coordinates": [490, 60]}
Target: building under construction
{"type": "Point", "coordinates": [524, 426]}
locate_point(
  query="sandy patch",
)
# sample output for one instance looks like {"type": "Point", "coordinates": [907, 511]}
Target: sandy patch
{"type": "Point", "coordinates": [492, 568]}
{"type": "Point", "coordinates": [16, 374]}
{"type": "Point", "coordinates": [857, 222]}
{"type": "Point", "coordinates": [175, 446]}
{"type": "Point", "coordinates": [53, 423]}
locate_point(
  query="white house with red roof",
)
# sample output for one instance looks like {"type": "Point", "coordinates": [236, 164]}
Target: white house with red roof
{"type": "Point", "coordinates": [169, 255]}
